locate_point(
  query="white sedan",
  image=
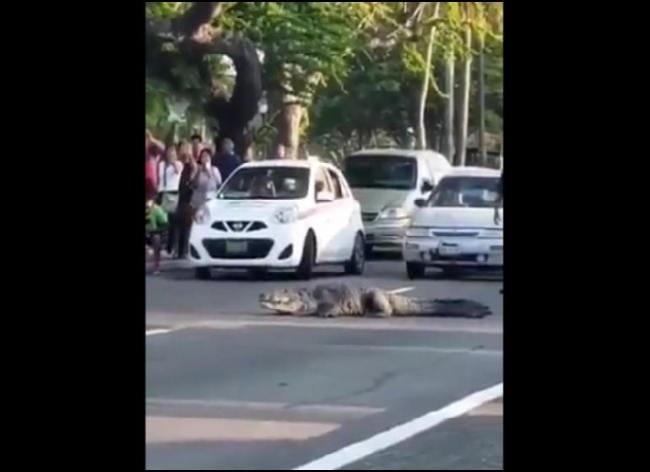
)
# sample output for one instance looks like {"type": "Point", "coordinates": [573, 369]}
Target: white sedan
{"type": "Point", "coordinates": [290, 215]}
{"type": "Point", "coordinates": [456, 227]}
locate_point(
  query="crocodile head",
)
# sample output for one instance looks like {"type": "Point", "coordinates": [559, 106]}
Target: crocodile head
{"type": "Point", "coordinates": [298, 302]}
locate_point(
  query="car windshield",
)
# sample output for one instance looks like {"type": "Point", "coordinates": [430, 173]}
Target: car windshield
{"type": "Point", "coordinates": [267, 183]}
{"type": "Point", "coordinates": [386, 172]}
{"type": "Point", "coordinates": [465, 192]}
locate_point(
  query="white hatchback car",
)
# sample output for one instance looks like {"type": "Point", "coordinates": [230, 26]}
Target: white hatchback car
{"type": "Point", "coordinates": [456, 228]}
{"type": "Point", "coordinates": [281, 214]}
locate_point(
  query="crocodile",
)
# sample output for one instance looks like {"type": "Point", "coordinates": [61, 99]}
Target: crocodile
{"type": "Point", "coordinates": [332, 301]}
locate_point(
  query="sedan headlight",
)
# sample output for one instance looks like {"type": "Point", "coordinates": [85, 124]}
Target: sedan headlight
{"type": "Point", "coordinates": [202, 215]}
{"type": "Point", "coordinates": [491, 234]}
{"type": "Point", "coordinates": [418, 233]}
{"type": "Point", "coordinates": [286, 216]}
{"type": "Point", "coordinates": [394, 214]}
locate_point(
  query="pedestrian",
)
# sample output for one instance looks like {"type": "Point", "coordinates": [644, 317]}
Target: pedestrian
{"type": "Point", "coordinates": [498, 203]}
{"type": "Point", "coordinates": [185, 213]}
{"type": "Point", "coordinates": [155, 225]}
{"type": "Point", "coordinates": [169, 178]}
{"type": "Point", "coordinates": [206, 181]}
{"type": "Point", "coordinates": [226, 161]}
{"type": "Point", "coordinates": [154, 150]}
{"type": "Point", "coordinates": [197, 146]}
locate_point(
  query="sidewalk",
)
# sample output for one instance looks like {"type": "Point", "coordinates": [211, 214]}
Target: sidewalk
{"type": "Point", "coordinates": [168, 263]}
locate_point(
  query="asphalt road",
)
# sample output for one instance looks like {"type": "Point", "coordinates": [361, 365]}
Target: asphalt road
{"type": "Point", "coordinates": [232, 388]}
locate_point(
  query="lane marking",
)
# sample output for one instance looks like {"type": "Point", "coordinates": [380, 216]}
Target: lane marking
{"type": "Point", "coordinates": [220, 406]}
{"type": "Point", "coordinates": [164, 430]}
{"type": "Point", "coordinates": [399, 291]}
{"type": "Point", "coordinates": [356, 452]}
{"type": "Point", "coordinates": [440, 350]}
{"type": "Point", "coordinates": [159, 332]}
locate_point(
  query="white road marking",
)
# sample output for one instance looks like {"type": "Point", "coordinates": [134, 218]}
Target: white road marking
{"type": "Point", "coordinates": [159, 332]}
{"type": "Point", "coordinates": [439, 350]}
{"type": "Point", "coordinates": [356, 452]}
{"type": "Point", "coordinates": [402, 290]}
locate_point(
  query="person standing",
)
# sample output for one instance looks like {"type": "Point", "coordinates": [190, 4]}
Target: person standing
{"type": "Point", "coordinates": [169, 178]}
{"type": "Point", "coordinates": [154, 149]}
{"type": "Point", "coordinates": [155, 225]}
{"type": "Point", "coordinates": [185, 212]}
{"type": "Point", "coordinates": [197, 146]}
{"type": "Point", "coordinates": [206, 181]}
{"type": "Point", "coordinates": [227, 161]}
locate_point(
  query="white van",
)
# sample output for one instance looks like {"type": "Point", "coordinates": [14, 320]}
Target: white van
{"type": "Point", "coordinates": [387, 183]}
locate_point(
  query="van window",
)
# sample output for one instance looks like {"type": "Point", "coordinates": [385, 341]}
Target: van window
{"type": "Point", "coordinates": [384, 172]}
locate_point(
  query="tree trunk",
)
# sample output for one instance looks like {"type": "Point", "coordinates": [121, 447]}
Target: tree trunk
{"type": "Point", "coordinates": [290, 118]}
{"type": "Point", "coordinates": [450, 84]}
{"type": "Point", "coordinates": [422, 129]}
{"type": "Point", "coordinates": [481, 103]}
{"type": "Point", "coordinates": [465, 89]}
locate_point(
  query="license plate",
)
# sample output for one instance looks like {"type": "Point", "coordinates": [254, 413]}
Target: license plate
{"type": "Point", "coordinates": [236, 247]}
{"type": "Point", "coordinates": [449, 250]}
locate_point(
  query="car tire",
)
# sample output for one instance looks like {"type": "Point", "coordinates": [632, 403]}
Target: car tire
{"type": "Point", "coordinates": [370, 251]}
{"type": "Point", "coordinates": [415, 270]}
{"type": "Point", "coordinates": [357, 263]}
{"type": "Point", "coordinates": [203, 273]}
{"type": "Point", "coordinates": [308, 261]}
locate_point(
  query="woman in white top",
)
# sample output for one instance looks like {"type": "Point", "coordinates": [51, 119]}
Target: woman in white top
{"type": "Point", "coordinates": [169, 179]}
{"type": "Point", "coordinates": [206, 181]}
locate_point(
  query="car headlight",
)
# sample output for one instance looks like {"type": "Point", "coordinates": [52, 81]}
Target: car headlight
{"type": "Point", "coordinates": [394, 214]}
{"type": "Point", "coordinates": [202, 215]}
{"type": "Point", "coordinates": [286, 216]}
{"type": "Point", "coordinates": [491, 234]}
{"type": "Point", "coordinates": [417, 233]}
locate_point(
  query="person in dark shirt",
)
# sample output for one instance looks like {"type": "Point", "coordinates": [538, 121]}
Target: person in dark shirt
{"type": "Point", "coordinates": [498, 204]}
{"type": "Point", "coordinates": [226, 161]}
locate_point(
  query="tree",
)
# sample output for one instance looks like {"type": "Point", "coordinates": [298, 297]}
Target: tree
{"type": "Point", "coordinates": [182, 40]}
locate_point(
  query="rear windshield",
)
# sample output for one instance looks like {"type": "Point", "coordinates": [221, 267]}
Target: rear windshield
{"type": "Point", "coordinates": [465, 192]}
{"type": "Point", "coordinates": [388, 172]}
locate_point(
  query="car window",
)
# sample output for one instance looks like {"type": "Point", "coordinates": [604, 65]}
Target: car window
{"type": "Point", "coordinates": [465, 192]}
{"type": "Point", "coordinates": [336, 182]}
{"type": "Point", "coordinates": [267, 183]}
{"type": "Point", "coordinates": [322, 179]}
{"type": "Point", "coordinates": [381, 172]}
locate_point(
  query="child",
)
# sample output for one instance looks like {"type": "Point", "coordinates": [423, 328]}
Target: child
{"type": "Point", "coordinates": [155, 224]}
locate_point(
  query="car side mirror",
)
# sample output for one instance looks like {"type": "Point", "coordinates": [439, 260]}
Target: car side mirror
{"type": "Point", "coordinates": [427, 186]}
{"type": "Point", "coordinates": [421, 203]}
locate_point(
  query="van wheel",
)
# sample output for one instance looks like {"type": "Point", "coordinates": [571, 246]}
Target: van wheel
{"type": "Point", "coordinates": [203, 273]}
{"type": "Point", "coordinates": [415, 271]}
{"type": "Point", "coordinates": [307, 263]}
{"type": "Point", "coordinates": [357, 264]}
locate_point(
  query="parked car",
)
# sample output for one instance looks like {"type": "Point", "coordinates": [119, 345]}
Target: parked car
{"type": "Point", "coordinates": [387, 182]}
{"type": "Point", "coordinates": [290, 215]}
{"type": "Point", "coordinates": [455, 228]}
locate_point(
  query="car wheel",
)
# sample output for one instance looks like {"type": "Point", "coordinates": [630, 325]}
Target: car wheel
{"type": "Point", "coordinates": [370, 250]}
{"type": "Point", "coordinates": [415, 270]}
{"type": "Point", "coordinates": [306, 267]}
{"type": "Point", "coordinates": [203, 273]}
{"type": "Point", "coordinates": [357, 263]}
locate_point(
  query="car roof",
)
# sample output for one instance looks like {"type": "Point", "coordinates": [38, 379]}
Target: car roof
{"type": "Point", "coordinates": [473, 172]}
{"type": "Point", "coordinates": [398, 152]}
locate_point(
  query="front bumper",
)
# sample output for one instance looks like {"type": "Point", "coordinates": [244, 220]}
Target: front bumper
{"type": "Point", "coordinates": [386, 234]}
{"type": "Point", "coordinates": [279, 247]}
{"type": "Point", "coordinates": [462, 252]}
